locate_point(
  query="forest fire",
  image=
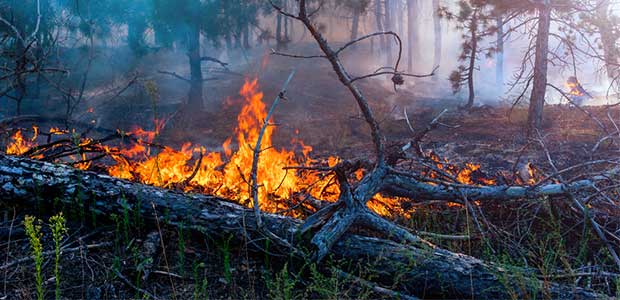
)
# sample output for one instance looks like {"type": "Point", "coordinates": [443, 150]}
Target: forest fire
{"type": "Point", "coordinates": [417, 149]}
{"type": "Point", "coordinates": [193, 169]}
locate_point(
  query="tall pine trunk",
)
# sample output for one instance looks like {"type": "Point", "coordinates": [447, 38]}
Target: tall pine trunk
{"type": "Point", "coordinates": [400, 16]}
{"type": "Point", "coordinates": [21, 63]}
{"type": "Point", "coordinates": [473, 27]}
{"type": "Point", "coordinates": [411, 32]}
{"type": "Point", "coordinates": [379, 23]}
{"type": "Point", "coordinates": [286, 24]}
{"type": "Point", "coordinates": [499, 61]}
{"type": "Point", "coordinates": [437, 35]}
{"type": "Point", "coordinates": [355, 24]}
{"type": "Point", "coordinates": [279, 31]}
{"type": "Point", "coordinates": [195, 85]}
{"type": "Point", "coordinates": [246, 36]}
{"type": "Point", "coordinates": [607, 39]}
{"type": "Point", "coordinates": [537, 98]}
{"type": "Point", "coordinates": [388, 27]}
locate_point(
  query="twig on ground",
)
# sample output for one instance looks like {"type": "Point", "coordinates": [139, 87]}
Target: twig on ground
{"type": "Point", "coordinates": [52, 252]}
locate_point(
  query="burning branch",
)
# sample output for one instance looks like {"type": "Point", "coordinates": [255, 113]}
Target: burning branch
{"type": "Point", "coordinates": [254, 172]}
{"type": "Point", "coordinates": [257, 149]}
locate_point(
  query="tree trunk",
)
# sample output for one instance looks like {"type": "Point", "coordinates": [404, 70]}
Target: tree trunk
{"type": "Point", "coordinates": [135, 36]}
{"type": "Point", "coordinates": [279, 31]}
{"type": "Point", "coordinates": [411, 32]}
{"type": "Point", "coordinates": [355, 24]}
{"type": "Point", "coordinates": [608, 40]}
{"type": "Point", "coordinates": [388, 27]}
{"type": "Point", "coordinates": [415, 269]}
{"type": "Point", "coordinates": [286, 23]}
{"type": "Point", "coordinates": [291, 25]}
{"type": "Point", "coordinates": [499, 61]}
{"type": "Point", "coordinates": [437, 35]}
{"type": "Point", "coordinates": [228, 41]}
{"type": "Point", "coordinates": [195, 87]}
{"type": "Point", "coordinates": [246, 36]}
{"type": "Point", "coordinates": [537, 98]}
{"type": "Point", "coordinates": [473, 27]}
{"type": "Point", "coordinates": [379, 23]}
{"type": "Point", "coordinates": [238, 35]}
{"type": "Point", "coordinates": [400, 14]}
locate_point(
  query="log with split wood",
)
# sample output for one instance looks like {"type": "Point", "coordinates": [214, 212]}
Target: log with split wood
{"type": "Point", "coordinates": [422, 269]}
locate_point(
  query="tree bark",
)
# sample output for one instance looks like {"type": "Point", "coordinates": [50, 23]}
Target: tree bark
{"type": "Point", "coordinates": [400, 16]}
{"type": "Point", "coordinates": [473, 29]}
{"type": "Point", "coordinates": [246, 36]}
{"type": "Point", "coordinates": [279, 40]}
{"type": "Point", "coordinates": [355, 24]}
{"type": "Point", "coordinates": [379, 23]}
{"type": "Point", "coordinates": [499, 61]}
{"type": "Point", "coordinates": [437, 35]}
{"type": "Point", "coordinates": [537, 98]}
{"type": "Point", "coordinates": [412, 35]}
{"type": "Point", "coordinates": [195, 95]}
{"type": "Point", "coordinates": [607, 39]}
{"type": "Point", "coordinates": [415, 269]}
{"type": "Point", "coordinates": [388, 27]}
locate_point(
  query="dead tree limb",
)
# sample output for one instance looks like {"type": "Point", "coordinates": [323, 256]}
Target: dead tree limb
{"type": "Point", "coordinates": [257, 148]}
{"type": "Point", "coordinates": [254, 172]}
{"type": "Point", "coordinates": [350, 209]}
{"type": "Point", "coordinates": [428, 271]}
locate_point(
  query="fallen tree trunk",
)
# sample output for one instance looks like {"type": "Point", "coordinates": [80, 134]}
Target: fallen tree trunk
{"type": "Point", "coordinates": [409, 269]}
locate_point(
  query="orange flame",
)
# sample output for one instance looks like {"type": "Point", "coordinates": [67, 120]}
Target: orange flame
{"type": "Point", "coordinates": [574, 89]}
{"type": "Point", "coordinates": [20, 145]}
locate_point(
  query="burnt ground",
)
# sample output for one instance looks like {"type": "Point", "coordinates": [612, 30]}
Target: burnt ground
{"type": "Point", "coordinates": [326, 118]}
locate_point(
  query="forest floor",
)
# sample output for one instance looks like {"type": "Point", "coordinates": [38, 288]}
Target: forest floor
{"type": "Point", "coordinates": [540, 235]}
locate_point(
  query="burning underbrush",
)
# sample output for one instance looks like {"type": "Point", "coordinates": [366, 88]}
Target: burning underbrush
{"type": "Point", "coordinates": [291, 181]}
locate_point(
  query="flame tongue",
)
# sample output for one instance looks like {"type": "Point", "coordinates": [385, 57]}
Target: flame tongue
{"type": "Point", "coordinates": [274, 182]}
{"type": "Point", "coordinates": [19, 144]}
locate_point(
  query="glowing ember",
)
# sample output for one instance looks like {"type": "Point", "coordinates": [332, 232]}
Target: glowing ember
{"type": "Point", "coordinates": [464, 176]}
{"type": "Point", "coordinates": [470, 174]}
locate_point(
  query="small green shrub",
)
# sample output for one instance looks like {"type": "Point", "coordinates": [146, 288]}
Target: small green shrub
{"type": "Point", "coordinates": [57, 225]}
{"type": "Point", "coordinates": [34, 236]}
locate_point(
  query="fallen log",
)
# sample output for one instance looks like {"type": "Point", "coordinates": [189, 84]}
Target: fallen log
{"type": "Point", "coordinates": [415, 269]}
